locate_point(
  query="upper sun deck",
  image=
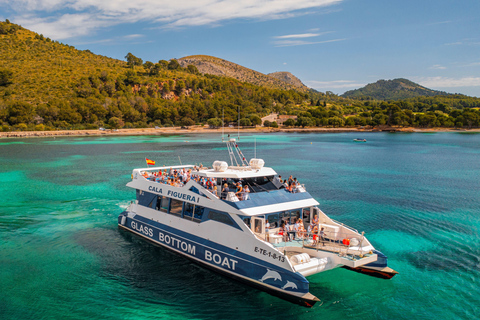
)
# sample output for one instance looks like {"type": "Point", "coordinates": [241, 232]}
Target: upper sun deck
{"type": "Point", "coordinates": [236, 172]}
{"type": "Point", "coordinates": [232, 172]}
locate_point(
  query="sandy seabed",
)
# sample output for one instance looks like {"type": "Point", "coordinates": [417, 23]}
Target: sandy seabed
{"type": "Point", "coordinates": [194, 130]}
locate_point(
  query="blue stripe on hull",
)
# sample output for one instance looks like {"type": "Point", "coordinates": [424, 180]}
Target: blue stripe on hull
{"type": "Point", "coordinates": [381, 262]}
{"type": "Point", "coordinates": [217, 256]}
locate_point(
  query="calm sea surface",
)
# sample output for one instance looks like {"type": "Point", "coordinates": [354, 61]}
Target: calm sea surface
{"type": "Point", "coordinates": [416, 196]}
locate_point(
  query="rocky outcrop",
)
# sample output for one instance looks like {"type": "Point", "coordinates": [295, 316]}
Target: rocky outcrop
{"type": "Point", "coordinates": [219, 67]}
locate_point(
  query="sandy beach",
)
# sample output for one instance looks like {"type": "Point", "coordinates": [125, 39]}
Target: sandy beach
{"type": "Point", "coordinates": [198, 129]}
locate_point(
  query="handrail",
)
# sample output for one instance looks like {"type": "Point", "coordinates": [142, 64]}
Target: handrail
{"type": "Point", "coordinates": [344, 225]}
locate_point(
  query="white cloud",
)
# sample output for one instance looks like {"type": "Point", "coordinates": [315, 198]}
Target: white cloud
{"type": "Point", "coordinates": [473, 64]}
{"type": "Point", "coordinates": [438, 67]}
{"type": "Point", "coordinates": [69, 18]}
{"type": "Point", "coordinates": [465, 42]}
{"type": "Point", "coordinates": [298, 36]}
{"type": "Point", "coordinates": [290, 43]}
{"type": "Point", "coordinates": [445, 82]}
{"type": "Point", "coordinates": [134, 36]}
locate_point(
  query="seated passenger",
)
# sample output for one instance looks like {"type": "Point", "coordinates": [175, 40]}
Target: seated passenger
{"type": "Point", "coordinates": [299, 228]}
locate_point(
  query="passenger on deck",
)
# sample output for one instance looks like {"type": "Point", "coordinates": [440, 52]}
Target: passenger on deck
{"type": "Point", "coordinates": [315, 235]}
{"type": "Point", "coordinates": [283, 232]}
{"type": "Point", "coordinates": [246, 191]}
{"type": "Point", "coordinates": [225, 191]}
{"type": "Point", "coordinates": [315, 221]}
{"type": "Point", "coordinates": [238, 191]}
{"type": "Point", "coordinates": [215, 191]}
{"type": "Point", "coordinates": [300, 229]}
{"type": "Point", "coordinates": [291, 230]}
{"type": "Point", "coordinates": [290, 188]}
{"type": "Point", "coordinates": [322, 235]}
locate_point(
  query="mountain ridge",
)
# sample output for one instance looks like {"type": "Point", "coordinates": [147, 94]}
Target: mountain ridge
{"type": "Point", "coordinates": [221, 67]}
{"type": "Point", "coordinates": [395, 89]}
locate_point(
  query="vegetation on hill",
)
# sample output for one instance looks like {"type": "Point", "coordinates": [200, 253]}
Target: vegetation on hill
{"type": "Point", "coordinates": [47, 85]}
{"type": "Point", "coordinates": [396, 89]}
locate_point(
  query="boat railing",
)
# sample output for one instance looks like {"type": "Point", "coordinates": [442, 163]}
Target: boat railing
{"type": "Point", "coordinates": [342, 243]}
{"type": "Point", "coordinates": [299, 188]}
{"type": "Point", "coordinates": [235, 196]}
{"type": "Point", "coordinates": [344, 225]}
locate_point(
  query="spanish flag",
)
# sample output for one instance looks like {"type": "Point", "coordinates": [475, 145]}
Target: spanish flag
{"type": "Point", "coordinates": [150, 162]}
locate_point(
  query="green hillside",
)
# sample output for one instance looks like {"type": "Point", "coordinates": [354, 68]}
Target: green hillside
{"type": "Point", "coordinates": [48, 84]}
{"type": "Point", "coordinates": [396, 89]}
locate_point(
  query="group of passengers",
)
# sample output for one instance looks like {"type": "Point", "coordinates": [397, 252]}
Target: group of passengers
{"type": "Point", "coordinates": [291, 184]}
{"type": "Point", "coordinates": [173, 177]}
{"type": "Point", "coordinates": [241, 192]}
{"type": "Point", "coordinates": [178, 178]}
{"type": "Point", "coordinates": [292, 231]}
{"type": "Point", "coordinates": [297, 230]}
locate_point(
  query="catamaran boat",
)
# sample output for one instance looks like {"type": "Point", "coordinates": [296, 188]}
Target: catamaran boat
{"type": "Point", "coordinates": [247, 236]}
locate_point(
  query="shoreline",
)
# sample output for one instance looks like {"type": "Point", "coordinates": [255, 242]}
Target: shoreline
{"type": "Point", "coordinates": [196, 130]}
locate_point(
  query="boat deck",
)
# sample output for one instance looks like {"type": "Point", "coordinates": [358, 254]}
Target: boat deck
{"type": "Point", "coordinates": [354, 253]}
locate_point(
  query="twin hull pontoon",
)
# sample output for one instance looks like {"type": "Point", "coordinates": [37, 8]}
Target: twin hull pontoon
{"type": "Point", "coordinates": [238, 235]}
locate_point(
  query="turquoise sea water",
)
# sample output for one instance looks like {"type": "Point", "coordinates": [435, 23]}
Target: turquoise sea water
{"type": "Point", "coordinates": [417, 197]}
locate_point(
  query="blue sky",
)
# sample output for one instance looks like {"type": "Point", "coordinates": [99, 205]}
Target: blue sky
{"type": "Point", "coordinates": [331, 45]}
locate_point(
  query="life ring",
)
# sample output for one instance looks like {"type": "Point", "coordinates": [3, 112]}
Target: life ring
{"type": "Point", "coordinates": [346, 242]}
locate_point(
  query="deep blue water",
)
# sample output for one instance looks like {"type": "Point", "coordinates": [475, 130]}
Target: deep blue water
{"type": "Point", "coordinates": [416, 196]}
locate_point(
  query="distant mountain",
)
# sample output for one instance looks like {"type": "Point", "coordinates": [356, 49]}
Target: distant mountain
{"type": "Point", "coordinates": [396, 89]}
{"type": "Point", "coordinates": [220, 67]}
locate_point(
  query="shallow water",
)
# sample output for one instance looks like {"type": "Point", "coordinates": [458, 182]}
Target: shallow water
{"type": "Point", "coordinates": [62, 256]}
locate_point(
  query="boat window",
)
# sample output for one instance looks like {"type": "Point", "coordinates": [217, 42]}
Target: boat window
{"type": "Point", "coordinates": [247, 222]}
{"type": "Point", "coordinates": [220, 217]}
{"type": "Point", "coordinates": [154, 201]}
{"type": "Point", "coordinates": [198, 213]}
{"type": "Point", "coordinates": [306, 215]}
{"type": "Point", "coordinates": [258, 227]}
{"type": "Point", "coordinates": [273, 220]}
{"type": "Point", "coordinates": [176, 207]}
{"type": "Point", "coordinates": [146, 199]}
{"type": "Point", "coordinates": [188, 210]}
{"type": "Point", "coordinates": [162, 203]}
{"type": "Point", "coordinates": [295, 214]}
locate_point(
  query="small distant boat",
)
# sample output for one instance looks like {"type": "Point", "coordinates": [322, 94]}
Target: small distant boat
{"type": "Point", "coordinates": [360, 140]}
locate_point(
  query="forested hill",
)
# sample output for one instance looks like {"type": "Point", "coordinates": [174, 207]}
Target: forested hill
{"type": "Point", "coordinates": [220, 67]}
{"type": "Point", "coordinates": [396, 89]}
{"type": "Point", "coordinates": [45, 84]}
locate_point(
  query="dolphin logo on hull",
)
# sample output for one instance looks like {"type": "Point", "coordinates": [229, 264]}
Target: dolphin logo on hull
{"type": "Point", "coordinates": [289, 284]}
{"type": "Point", "coordinates": [271, 275]}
